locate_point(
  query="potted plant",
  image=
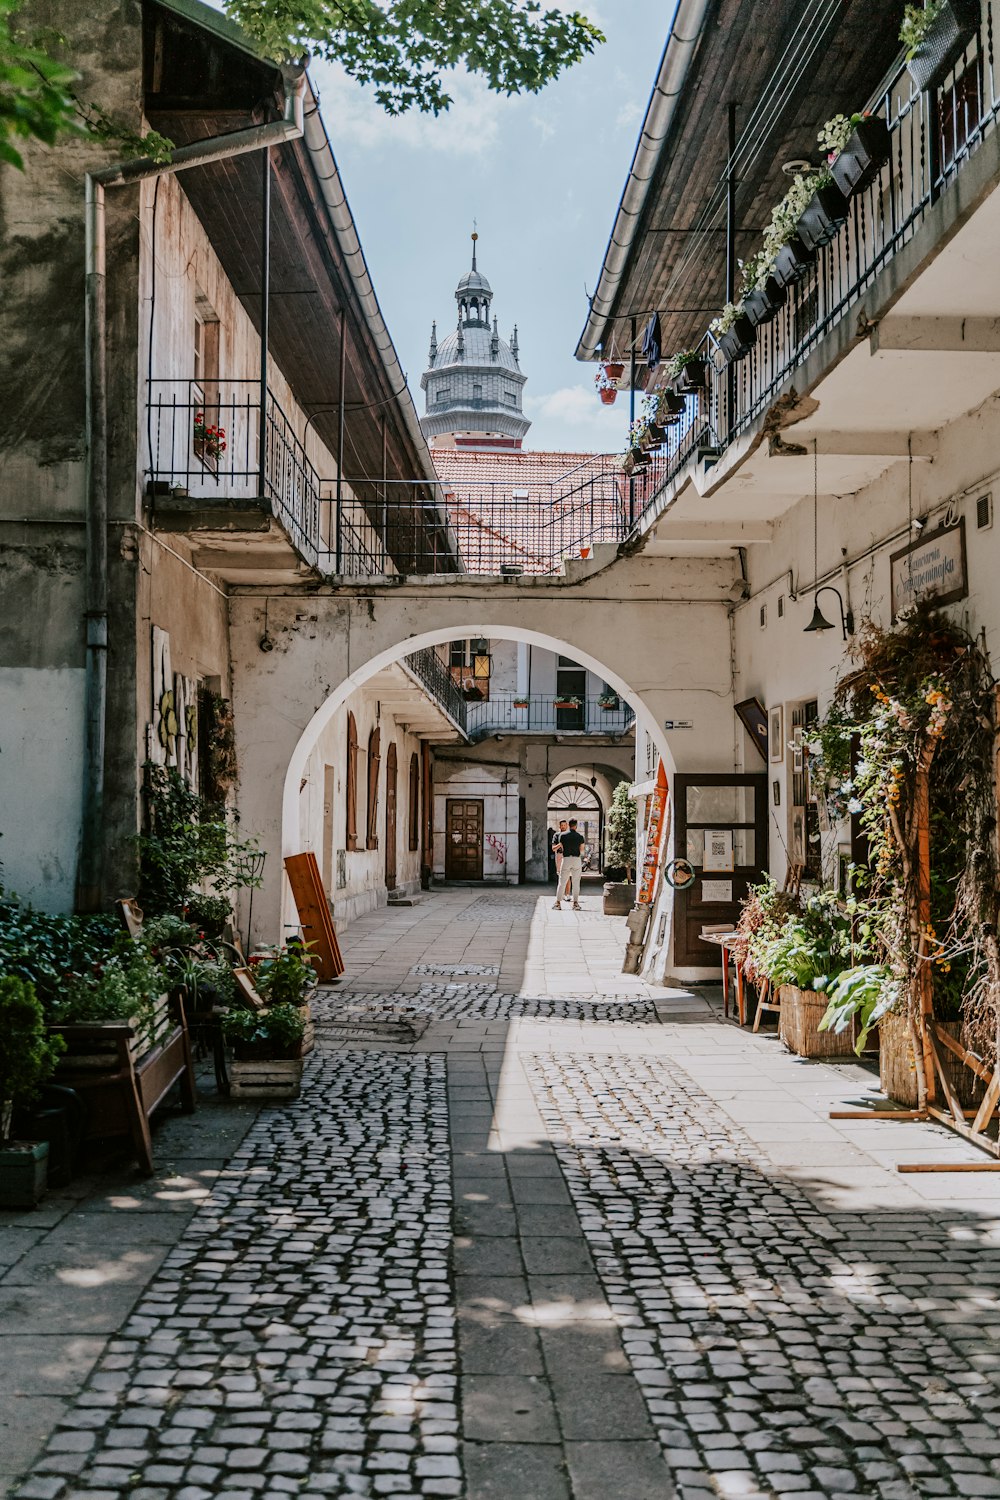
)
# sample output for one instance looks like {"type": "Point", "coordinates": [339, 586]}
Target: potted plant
{"type": "Point", "coordinates": [857, 147]}
{"type": "Point", "coordinates": [824, 214]}
{"type": "Point", "coordinates": [606, 387]}
{"type": "Point", "coordinates": [27, 1058]}
{"type": "Point", "coordinates": [520, 703]}
{"type": "Point", "coordinates": [734, 332]}
{"type": "Point", "coordinates": [608, 701]}
{"type": "Point", "coordinates": [568, 701]}
{"type": "Point", "coordinates": [810, 948]}
{"type": "Point", "coordinates": [209, 440]}
{"type": "Point", "coordinates": [673, 403]}
{"type": "Point", "coordinates": [687, 371]}
{"type": "Point", "coordinates": [619, 853]}
{"type": "Point", "coordinates": [761, 293]}
{"type": "Point", "coordinates": [634, 460]}
{"type": "Point", "coordinates": [935, 35]}
{"type": "Point", "coordinates": [268, 1050]}
{"type": "Point", "coordinates": [783, 248]}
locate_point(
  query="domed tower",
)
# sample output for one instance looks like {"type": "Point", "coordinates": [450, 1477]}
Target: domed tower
{"type": "Point", "coordinates": [473, 383]}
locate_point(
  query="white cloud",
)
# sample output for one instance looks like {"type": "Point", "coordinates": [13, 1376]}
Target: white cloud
{"type": "Point", "coordinates": [573, 418]}
{"type": "Point", "coordinates": [469, 128]}
{"type": "Point", "coordinates": [630, 114]}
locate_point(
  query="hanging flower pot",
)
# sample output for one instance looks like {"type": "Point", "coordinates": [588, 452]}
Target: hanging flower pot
{"type": "Point", "coordinates": [691, 376]}
{"type": "Point", "coordinates": [614, 369]}
{"type": "Point", "coordinates": [738, 339]}
{"type": "Point", "coordinates": [824, 214]}
{"type": "Point", "coordinates": [865, 153]}
{"type": "Point", "coordinates": [794, 260]}
{"type": "Point", "coordinates": [943, 42]}
{"type": "Point", "coordinates": [520, 703]}
{"type": "Point", "coordinates": [763, 303]}
{"type": "Point", "coordinates": [608, 395]}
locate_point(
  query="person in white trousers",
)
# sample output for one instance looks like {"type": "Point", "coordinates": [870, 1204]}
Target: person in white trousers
{"type": "Point", "coordinates": [570, 846]}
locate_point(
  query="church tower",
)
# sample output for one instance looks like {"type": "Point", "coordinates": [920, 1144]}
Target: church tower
{"type": "Point", "coordinates": [473, 383]}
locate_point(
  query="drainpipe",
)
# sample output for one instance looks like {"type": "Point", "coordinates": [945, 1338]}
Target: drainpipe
{"type": "Point", "coordinates": [124, 174]}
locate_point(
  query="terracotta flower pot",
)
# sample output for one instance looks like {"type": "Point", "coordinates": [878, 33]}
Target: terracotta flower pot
{"type": "Point", "coordinates": [608, 395]}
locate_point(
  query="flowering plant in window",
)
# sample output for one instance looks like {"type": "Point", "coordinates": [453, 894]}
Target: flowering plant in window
{"type": "Point", "coordinates": [209, 441]}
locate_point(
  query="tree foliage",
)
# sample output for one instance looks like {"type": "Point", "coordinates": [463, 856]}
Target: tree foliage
{"type": "Point", "coordinates": [36, 98]}
{"type": "Point", "coordinates": [619, 831]}
{"type": "Point", "coordinates": [405, 47]}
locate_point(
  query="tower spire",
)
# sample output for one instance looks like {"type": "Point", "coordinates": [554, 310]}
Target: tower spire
{"type": "Point", "coordinates": [475, 237]}
{"type": "Point", "coordinates": [434, 343]}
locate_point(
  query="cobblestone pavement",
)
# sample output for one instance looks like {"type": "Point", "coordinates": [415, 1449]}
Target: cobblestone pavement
{"type": "Point", "coordinates": [548, 1234]}
{"type": "Point", "coordinates": [781, 1351]}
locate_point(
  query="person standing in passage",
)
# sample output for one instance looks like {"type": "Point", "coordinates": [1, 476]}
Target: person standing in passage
{"type": "Point", "coordinates": [570, 846]}
{"type": "Point", "coordinates": [557, 852]}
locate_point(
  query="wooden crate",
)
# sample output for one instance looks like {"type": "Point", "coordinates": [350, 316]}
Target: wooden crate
{"type": "Point", "coordinates": [800, 1015]}
{"type": "Point", "coordinates": [897, 1070]}
{"type": "Point", "coordinates": [274, 1078]}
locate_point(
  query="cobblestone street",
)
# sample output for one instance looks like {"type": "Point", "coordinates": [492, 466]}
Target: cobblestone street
{"type": "Point", "coordinates": [533, 1229]}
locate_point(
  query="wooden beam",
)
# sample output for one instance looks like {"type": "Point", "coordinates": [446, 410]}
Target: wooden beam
{"type": "Point", "coordinates": [948, 1166]}
{"type": "Point", "coordinates": [953, 335]}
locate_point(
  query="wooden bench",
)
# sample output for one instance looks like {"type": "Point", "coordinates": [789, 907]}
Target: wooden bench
{"type": "Point", "coordinates": [121, 1081]}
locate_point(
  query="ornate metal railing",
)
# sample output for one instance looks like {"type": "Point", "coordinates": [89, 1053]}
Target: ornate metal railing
{"type": "Point", "coordinates": [932, 135]}
{"type": "Point", "coordinates": [547, 713]}
{"type": "Point", "coordinates": [432, 674]}
{"type": "Point", "coordinates": [204, 440]}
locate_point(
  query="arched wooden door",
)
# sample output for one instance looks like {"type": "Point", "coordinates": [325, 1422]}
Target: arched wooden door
{"type": "Point", "coordinates": [390, 818]}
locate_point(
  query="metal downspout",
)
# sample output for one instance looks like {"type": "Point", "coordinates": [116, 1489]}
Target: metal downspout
{"type": "Point", "coordinates": [123, 174]}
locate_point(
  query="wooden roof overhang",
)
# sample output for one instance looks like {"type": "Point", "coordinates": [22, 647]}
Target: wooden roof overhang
{"type": "Point", "coordinates": [789, 65]}
{"type": "Point", "coordinates": [201, 78]}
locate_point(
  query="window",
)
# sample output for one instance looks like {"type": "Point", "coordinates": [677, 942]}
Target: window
{"type": "Point", "coordinates": [443, 394]}
{"type": "Point", "coordinates": [352, 783]}
{"type": "Point", "coordinates": [374, 759]}
{"type": "Point", "coordinates": [477, 393]}
{"type": "Point", "coordinates": [510, 397]}
{"type": "Point", "coordinates": [414, 806]}
{"type": "Point", "coordinates": [470, 663]}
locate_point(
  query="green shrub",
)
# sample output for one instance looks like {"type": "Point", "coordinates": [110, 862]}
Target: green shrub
{"type": "Point", "coordinates": [619, 830]}
{"type": "Point", "coordinates": [280, 1027]}
{"type": "Point", "coordinates": [27, 1055]}
{"type": "Point", "coordinates": [283, 977]}
{"type": "Point", "coordinates": [126, 988]}
{"type": "Point", "coordinates": [46, 950]}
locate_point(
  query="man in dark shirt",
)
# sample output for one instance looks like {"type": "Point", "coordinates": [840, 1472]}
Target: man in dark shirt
{"type": "Point", "coordinates": [570, 845]}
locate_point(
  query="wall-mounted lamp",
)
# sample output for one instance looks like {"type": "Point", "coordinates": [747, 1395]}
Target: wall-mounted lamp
{"type": "Point", "coordinates": [819, 620]}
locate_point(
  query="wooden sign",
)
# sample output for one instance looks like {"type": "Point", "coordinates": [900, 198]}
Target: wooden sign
{"type": "Point", "coordinates": [932, 567]}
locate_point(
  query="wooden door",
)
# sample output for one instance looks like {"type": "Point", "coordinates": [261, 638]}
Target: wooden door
{"type": "Point", "coordinates": [463, 849]}
{"type": "Point", "coordinates": [522, 831]}
{"type": "Point", "coordinates": [735, 808]}
{"type": "Point", "coordinates": [390, 818]}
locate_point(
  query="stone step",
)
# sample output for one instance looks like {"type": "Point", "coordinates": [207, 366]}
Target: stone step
{"type": "Point", "coordinates": [401, 898]}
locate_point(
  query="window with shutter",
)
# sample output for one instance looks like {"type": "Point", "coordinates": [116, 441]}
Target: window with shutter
{"type": "Point", "coordinates": [352, 783]}
{"type": "Point", "coordinates": [374, 759]}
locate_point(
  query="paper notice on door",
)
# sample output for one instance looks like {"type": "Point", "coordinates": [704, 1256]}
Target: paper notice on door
{"type": "Point", "coordinates": [718, 849]}
{"type": "Point", "coordinates": [716, 890]}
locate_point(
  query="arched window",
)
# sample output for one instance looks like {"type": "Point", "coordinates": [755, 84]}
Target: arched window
{"type": "Point", "coordinates": [352, 783]}
{"type": "Point", "coordinates": [374, 741]}
{"type": "Point", "coordinates": [414, 805]}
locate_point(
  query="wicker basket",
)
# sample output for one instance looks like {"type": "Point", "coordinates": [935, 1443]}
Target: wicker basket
{"type": "Point", "coordinates": [897, 1070]}
{"type": "Point", "coordinates": [800, 1015]}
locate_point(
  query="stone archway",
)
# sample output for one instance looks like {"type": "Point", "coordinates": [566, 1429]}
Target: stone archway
{"type": "Point", "coordinates": [657, 633]}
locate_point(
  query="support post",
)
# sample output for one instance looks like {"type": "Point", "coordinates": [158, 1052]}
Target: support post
{"type": "Point", "coordinates": [339, 505]}
{"type": "Point", "coordinates": [922, 793]}
{"type": "Point", "coordinates": [631, 419]}
{"type": "Point", "coordinates": [731, 255]}
{"type": "Point", "coordinates": [265, 308]}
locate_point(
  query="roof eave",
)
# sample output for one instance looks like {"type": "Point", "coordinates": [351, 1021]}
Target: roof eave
{"type": "Point", "coordinates": [681, 46]}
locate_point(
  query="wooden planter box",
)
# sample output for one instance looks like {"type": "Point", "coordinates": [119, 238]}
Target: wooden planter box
{"type": "Point", "coordinates": [265, 1078]}
{"type": "Point", "coordinates": [794, 261]}
{"type": "Point", "coordinates": [619, 898]}
{"type": "Point", "coordinates": [693, 377]}
{"type": "Point", "coordinates": [801, 1013]}
{"type": "Point", "coordinates": [673, 403]}
{"type": "Point", "coordinates": [764, 302]}
{"type": "Point", "coordinates": [826, 211]}
{"type": "Point", "coordinates": [635, 460]}
{"type": "Point", "coordinates": [863, 157]}
{"type": "Point", "coordinates": [121, 1079]}
{"type": "Point", "coordinates": [897, 1069]}
{"type": "Point", "coordinates": [737, 341]}
{"type": "Point", "coordinates": [944, 43]}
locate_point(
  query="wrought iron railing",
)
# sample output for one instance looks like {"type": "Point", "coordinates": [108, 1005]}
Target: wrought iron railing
{"type": "Point", "coordinates": [205, 440]}
{"type": "Point", "coordinates": [547, 713]}
{"type": "Point", "coordinates": [483, 527]}
{"type": "Point", "coordinates": [932, 135]}
{"type": "Point", "coordinates": [432, 674]}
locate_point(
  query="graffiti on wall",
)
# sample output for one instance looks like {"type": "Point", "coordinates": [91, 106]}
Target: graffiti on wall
{"type": "Point", "coordinates": [498, 846]}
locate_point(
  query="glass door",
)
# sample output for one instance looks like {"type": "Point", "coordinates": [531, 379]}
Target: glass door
{"type": "Point", "coordinates": [720, 828]}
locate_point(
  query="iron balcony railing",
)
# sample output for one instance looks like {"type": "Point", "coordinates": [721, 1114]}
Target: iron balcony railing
{"type": "Point", "coordinates": [547, 713]}
{"type": "Point", "coordinates": [205, 440]}
{"type": "Point", "coordinates": [486, 528]}
{"type": "Point", "coordinates": [932, 135]}
{"type": "Point", "coordinates": [432, 674]}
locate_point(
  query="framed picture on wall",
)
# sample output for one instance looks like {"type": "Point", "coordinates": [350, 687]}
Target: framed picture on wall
{"type": "Point", "coordinates": [754, 720]}
{"type": "Point", "coordinates": [776, 732]}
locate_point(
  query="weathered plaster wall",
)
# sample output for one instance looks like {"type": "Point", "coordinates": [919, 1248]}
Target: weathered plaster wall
{"type": "Point", "coordinates": [323, 825]}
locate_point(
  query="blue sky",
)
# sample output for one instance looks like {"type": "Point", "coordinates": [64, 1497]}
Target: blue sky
{"type": "Point", "coordinates": [540, 174]}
